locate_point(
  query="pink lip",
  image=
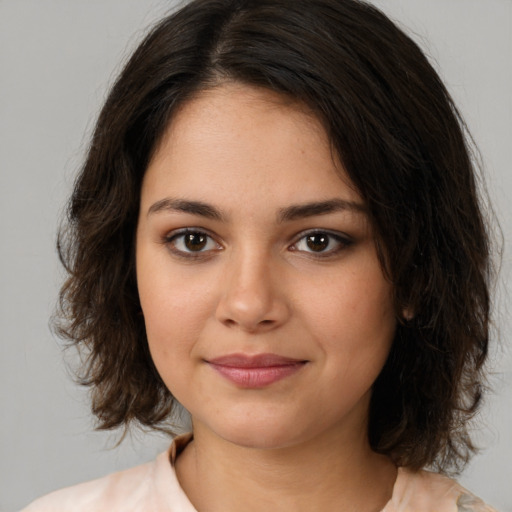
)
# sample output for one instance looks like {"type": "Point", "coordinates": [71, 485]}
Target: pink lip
{"type": "Point", "coordinates": [255, 371]}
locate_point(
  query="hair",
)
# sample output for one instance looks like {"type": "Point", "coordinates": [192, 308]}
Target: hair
{"type": "Point", "coordinates": [402, 143]}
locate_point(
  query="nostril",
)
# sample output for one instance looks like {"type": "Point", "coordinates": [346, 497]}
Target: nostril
{"type": "Point", "coordinates": [251, 308]}
{"type": "Point", "coordinates": [250, 327]}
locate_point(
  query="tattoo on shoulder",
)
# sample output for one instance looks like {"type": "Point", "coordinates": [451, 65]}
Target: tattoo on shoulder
{"type": "Point", "coordinates": [470, 503]}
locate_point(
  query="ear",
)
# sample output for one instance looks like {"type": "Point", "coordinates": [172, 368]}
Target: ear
{"type": "Point", "coordinates": [407, 314]}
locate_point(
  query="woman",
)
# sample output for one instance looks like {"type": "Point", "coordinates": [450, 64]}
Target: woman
{"type": "Point", "coordinates": [277, 225]}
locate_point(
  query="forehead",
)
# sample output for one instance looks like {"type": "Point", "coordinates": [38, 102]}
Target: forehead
{"type": "Point", "coordinates": [230, 107]}
{"type": "Point", "coordinates": [240, 139]}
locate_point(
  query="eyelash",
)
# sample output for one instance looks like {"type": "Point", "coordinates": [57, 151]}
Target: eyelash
{"type": "Point", "coordinates": [171, 241]}
{"type": "Point", "coordinates": [342, 242]}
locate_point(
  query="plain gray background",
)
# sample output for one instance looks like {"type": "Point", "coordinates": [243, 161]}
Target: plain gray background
{"type": "Point", "coordinates": [57, 58]}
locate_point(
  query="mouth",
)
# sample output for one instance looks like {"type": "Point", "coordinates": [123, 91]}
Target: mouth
{"type": "Point", "coordinates": [257, 371]}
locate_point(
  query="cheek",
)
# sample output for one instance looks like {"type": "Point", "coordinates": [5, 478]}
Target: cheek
{"type": "Point", "coordinates": [173, 316]}
{"type": "Point", "coordinates": [357, 306]}
{"type": "Point", "coordinates": [174, 306]}
{"type": "Point", "coordinates": [354, 324]}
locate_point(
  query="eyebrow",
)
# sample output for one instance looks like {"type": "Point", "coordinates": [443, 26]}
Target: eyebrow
{"type": "Point", "coordinates": [301, 211]}
{"type": "Point", "coordinates": [186, 206]}
{"type": "Point", "coordinates": [290, 213]}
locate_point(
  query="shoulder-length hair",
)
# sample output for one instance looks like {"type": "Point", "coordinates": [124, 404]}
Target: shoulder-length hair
{"type": "Point", "coordinates": [403, 144]}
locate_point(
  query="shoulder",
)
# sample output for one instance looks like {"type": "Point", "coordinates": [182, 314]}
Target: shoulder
{"type": "Point", "coordinates": [425, 491]}
{"type": "Point", "coordinates": [137, 489]}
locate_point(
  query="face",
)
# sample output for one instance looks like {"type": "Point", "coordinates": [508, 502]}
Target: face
{"type": "Point", "coordinates": [267, 313]}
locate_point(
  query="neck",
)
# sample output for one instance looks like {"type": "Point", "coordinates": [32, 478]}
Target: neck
{"type": "Point", "coordinates": [332, 472]}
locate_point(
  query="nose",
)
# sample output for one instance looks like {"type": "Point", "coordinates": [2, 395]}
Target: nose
{"type": "Point", "coordinates": [253, 297]}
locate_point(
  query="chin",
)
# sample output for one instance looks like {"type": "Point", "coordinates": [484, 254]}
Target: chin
{"type": "Point", "coordinates": [263, 440]}
{"type": "Point", "coordinates": [259, 434]}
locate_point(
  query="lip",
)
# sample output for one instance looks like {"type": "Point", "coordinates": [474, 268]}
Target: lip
{"type": "Point", "coordinates": [255, 371]}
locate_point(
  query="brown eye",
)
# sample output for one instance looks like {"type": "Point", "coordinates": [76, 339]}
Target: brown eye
{"type": "Point", "coordinates": [318, 242]}
{"type": "Point", "coordinates": [189, 243]}
{"type": "Point", "coordinates": [322, 243]}
{"type": "Point", "coordinates": [195, 241]}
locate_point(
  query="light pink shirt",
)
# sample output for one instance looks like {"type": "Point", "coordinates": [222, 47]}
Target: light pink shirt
{"type": "Point", "coordinates": [154, 487]}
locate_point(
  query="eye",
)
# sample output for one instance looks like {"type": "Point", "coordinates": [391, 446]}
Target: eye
{"type": "Point", "coordinates": [321, 243]}
{"type": "Point", "coordinates": [191, 242]}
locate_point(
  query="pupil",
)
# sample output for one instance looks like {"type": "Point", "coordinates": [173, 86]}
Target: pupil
{"type": "Point", "coordinates": [318, 242]}
{"type": "Point", "coordinates": [195, 241]}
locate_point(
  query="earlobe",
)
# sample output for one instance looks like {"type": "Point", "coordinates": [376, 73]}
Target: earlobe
{"type": "Point", "coordinates": [407, 314]}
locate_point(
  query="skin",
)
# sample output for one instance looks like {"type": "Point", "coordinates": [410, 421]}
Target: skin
{"type": "Point", "coordinates": [253, 283]}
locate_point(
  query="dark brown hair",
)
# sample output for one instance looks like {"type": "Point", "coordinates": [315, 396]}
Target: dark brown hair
{"type": "Point", "coordinates": [403, 145]}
